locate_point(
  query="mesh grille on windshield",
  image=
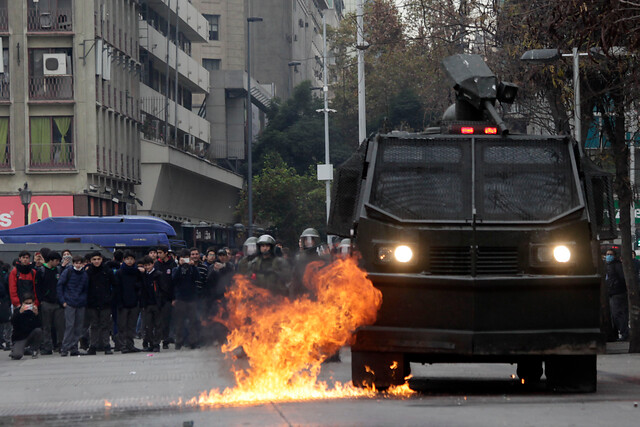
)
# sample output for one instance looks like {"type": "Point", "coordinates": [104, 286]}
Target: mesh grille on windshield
{"type": "Point", "coordinates": [515, 179]}
{"type": "Point", "coordinates": [423, 179]}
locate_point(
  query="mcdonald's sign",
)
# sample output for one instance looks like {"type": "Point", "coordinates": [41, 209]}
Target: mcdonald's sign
{"type": "Point", "coordinates": [41, 207]}
{"type": "Point", "coordinates": [42, 211]}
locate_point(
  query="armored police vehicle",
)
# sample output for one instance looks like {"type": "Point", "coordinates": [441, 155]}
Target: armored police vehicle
{"type": "Point", "coordinates": [483, 243]}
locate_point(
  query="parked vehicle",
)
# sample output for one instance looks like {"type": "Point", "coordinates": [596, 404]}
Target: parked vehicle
{"type": "Point", "coordinates": [110, 232]}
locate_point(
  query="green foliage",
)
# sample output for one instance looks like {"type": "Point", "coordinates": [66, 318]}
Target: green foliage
{"type": "Point", "coordinates": [285, 202]}
{"type": "Point", "coordinates": [295, 132]}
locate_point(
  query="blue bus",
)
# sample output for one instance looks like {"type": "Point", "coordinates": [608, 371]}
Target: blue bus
{"type": "Point", "coordinates": [112, 232]}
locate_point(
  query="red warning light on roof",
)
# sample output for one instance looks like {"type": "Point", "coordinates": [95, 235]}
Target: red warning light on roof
{"type": "Point", "coordinates": [490, 131]}
{"type": "Point", "coordinates": [467, 130]}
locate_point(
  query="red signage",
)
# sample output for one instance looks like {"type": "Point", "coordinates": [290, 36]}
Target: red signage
{"type": "Point", "coordinates": [41, 207]}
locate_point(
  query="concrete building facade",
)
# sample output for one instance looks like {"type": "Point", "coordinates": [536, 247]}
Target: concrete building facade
{"type": "Point", "coordinates": [179, 181]}
{"type": "Point", "coordinates": [69, 115]}
{"type": "Point", "coordinates": [287, 45]}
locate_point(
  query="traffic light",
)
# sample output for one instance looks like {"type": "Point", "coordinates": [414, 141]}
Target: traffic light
{"type": "Point", "coordinates": [638, 238]}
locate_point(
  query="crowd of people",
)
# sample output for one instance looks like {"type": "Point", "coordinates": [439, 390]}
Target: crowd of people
{"type": "Point", "coordinates": [75, 304]}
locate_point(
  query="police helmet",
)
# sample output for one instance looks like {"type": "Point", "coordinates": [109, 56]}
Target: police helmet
{"type": "Point", "coordinates": [310, 238]}
{"type": "Point", "coordinates": [345, 246]}
{"type": "Point", "coordinates": [266, 239]}
{"type": "Point", "coordinates": [249, 247]}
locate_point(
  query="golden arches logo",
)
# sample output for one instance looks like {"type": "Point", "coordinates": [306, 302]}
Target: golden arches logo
{"type": "Point", "coordinates": [39, 211]}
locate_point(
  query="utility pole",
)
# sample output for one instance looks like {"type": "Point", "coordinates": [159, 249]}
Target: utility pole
{"type": "Point", "coordinates": [249, 127]}
{"type": "Point", "coordinates": [325, 172]}
{"type": "Point", "coordinates": [361, 46]}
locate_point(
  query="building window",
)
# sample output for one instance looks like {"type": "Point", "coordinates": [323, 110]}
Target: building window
{"type": "Point", "coordinates": [4, 77]}
{"type": "Point", "coordinates": [5, 151]}
{"type": "Point", "coordinates": [210, 64]}
{"type": "Point", "coordinates": [51, 142]}
{"type": "Point", "coordinates": [213, 20]}
{"type": "Point", "coordinates": [50, 74]}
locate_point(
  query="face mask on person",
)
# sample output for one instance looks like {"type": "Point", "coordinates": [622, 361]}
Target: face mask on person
{"type": "Point", "coordinates": [77, 268]}
{"type": "Point", "coordinates": [609, 258]}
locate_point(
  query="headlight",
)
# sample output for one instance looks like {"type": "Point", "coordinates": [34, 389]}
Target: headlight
{"type": "Point", "coordinates": [385, 254]}
{"type": "Point", "coordinates": [548, 255]}
{"type": "Point", "coordinates": [389, 254]}
{"type": "Point", "coordinates": [403, 253]}
{"type": "Point", "coordinates": [561, 253]}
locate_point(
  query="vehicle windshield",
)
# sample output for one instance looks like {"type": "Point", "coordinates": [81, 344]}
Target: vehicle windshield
{"type": "Point", "coordinates": [514, 180]}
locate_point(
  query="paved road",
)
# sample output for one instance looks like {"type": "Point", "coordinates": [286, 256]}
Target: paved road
{"type": "Point", "coordinates": [141, 387]}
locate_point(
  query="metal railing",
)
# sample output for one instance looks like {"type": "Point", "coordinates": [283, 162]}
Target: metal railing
{"type": "Point", "coordinates": [53, 155]}
{"type": "Point", "coordinates": [4, 90]}
{"type": "Point", "coordinates": [55, 20]}
{"type": "Point", "coordinates": [51, 88]}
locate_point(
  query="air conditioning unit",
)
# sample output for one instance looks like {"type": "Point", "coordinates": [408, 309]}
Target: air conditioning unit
{"type": "Point", "coordinates": [54, 64]}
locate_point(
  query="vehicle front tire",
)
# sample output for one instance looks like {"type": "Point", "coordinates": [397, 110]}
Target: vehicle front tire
{"type": "Point", "coordinates": [382, 370]}
{"type": "Point", "coordinates": [571, 374]}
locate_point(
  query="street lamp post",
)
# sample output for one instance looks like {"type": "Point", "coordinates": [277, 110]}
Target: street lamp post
{"type": "Point", "coordinates": [361, 46]}
{"type": "Point", "coordinates": [325, 172]}
{"type": "Point", "coordinates": [249, 127]}
{"type": "Point", "coordinates": [25, 198]}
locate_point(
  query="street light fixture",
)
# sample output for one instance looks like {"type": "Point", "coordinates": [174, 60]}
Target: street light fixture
{"type": "Point", "coordinates": [545, 56]}
{"type": "Point", "coordinates": [249, 127]}
{"type": "Point", "coordinates": [293, 64]}
{"type": "Point", "coordinates": [25, 199]}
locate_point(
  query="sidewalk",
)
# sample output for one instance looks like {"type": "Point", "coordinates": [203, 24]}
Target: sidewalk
{"type": "Point", "coordinates": [617, 347]}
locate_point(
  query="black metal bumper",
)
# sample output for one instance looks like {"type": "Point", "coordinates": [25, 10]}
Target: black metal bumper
{"type": "Point", "coordinates": [444, 317]}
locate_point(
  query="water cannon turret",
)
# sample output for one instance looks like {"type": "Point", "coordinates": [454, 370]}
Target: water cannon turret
{"type": "Point", "coordinates": [477, 89]}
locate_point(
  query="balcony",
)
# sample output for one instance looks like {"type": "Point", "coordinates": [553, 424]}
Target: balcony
{"type": "Point", "coordinates": [53, 21]}
{"type": "Point", "coordinates": [192, 74]}
{"type": "Point", "coordinates": [153, 104]}
{"type": "Point", "coordinates": [52, 155]}
{"type": "Point", "coordinates": [4, 91]}
{"type": "Point", "coordinates": [51, 88]}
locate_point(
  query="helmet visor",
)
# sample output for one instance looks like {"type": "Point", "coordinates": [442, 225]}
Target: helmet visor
{"type": "Point", "coordinates": [250, 249]}
{"type": "Point", "coordinates": [309, 242]}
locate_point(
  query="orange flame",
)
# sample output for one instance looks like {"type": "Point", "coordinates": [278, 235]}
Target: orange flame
{"type": "Point", "coordinates": [107, 404]}
{"type": "Point", "coordinates": [286, 341]}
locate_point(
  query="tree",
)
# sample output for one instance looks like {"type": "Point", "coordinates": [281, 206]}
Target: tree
{"type": "Point", "coordinates": [295, 131]}
{"type": "Point", "coordinates": [285, 202]}
{"type": "Point", "coordinates": [611, 26]}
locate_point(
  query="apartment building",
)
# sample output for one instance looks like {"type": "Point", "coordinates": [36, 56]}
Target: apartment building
{"type": "Point", "coordinates": [289, 41]}
{"type": "Point", "coordinates": [179, 182]}
{"type": "Point", "coordinates": [69, 115]}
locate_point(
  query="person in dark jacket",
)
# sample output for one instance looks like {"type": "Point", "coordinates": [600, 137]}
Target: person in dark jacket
{"type": "Point", "coordinates": [127, 298]}
{"type": "Point", "coordinates": [165, 265]}
{"type": "Point", "coordinates": [617, 290]}
{"type": "Point", "coordinates": [185, 277]}
{"type": "Point", "coordinates": [51, 311]}
{"type": "Point", "coordinates": [26, 327]}
{"type": "Point", "coordinates": [22, 279]}
{"type": "Point", "coordinates": [72, 294]}
{"type": "Point", "coordinates": [5, 308]}
{"type": "Point", "coordinates": [114, 264]}
{"type": "Point", "coordinates": [151, 301]}
{"type": "Point", "coordinates": [99, 300]}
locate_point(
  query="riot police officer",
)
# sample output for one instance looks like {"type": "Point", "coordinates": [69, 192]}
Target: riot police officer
{"type": "Point", "coordinates": [310, 251]}
{"type": "Point", "coordinates": [250, 250]}
{"type": "Point", "coordinates": [267, 270]}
